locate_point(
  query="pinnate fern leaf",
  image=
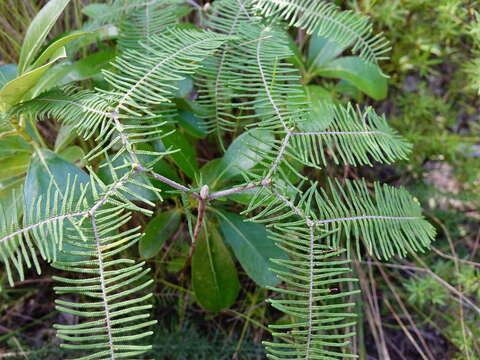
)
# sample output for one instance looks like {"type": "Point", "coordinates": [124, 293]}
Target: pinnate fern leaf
{"type": "Point", "coordinates": [148, 18]}
{"type": "Point", "coordinates": [325, 19]}
{"type": "Point", "coordinates": [140, 80]}
{"type": "Point", "coordinates": [353, 137]}
{"type": "Point", "coordinates": [215, 94]}
{"type": "Point", "coordinates": [389, 221]}
{"type": "Point", "coordinates": [116, 314]}
{"type": "Point", "coordinates": [316, 298]}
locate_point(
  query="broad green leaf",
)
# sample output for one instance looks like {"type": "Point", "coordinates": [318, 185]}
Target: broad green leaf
{"type": "Point", "coordinates": [95, 37]}
{"type": "Point", "coordinates": [184, 86]}
{"type": "Point", "coordinates": [15, 89]}
{"type": "Point", "coordinates": [214, 276]}
{"type": "Point", "coordinates": [72, 154]}
{"type": "Point", "coordinates": [49, 79]}
{"type": "Point", "coordinates": [11, 200]}
{"type": "Point", "coordinates": [97, 10]}
{"type": "Point", "coordinates": [14, 166]}
{"type": "Point", "coordinates": [57, 44]}
{"type": "Point", "coordinates": [15, 154]}
{"type": "Point", "coordinates": [240, 157]}
{"type": "Point", "coordinates": [210, 174]}
{"type": "Point", "coordinates": [192, 106]}
{"type": "Point", "coordinates": [321, 51]}
{"type": "Point", "coordinates": [159, 229]}
{"type": "Point", "coordinates": [46, 167]}
{"type": "Point", "coordinates": [8, 72]}
{"type": "Point", "coordinates": [297, 58]}
{"type": "Point", "coordinates": [14, 145]}
{"type": "Point", "coordinates": [252, 247]}
{"type": "Point", "coordinates": [38, 31]}
{"type": "Point", "coordinates": [64, 138]}
{"type": "Point", "coordinates": [320, 115]}
{"type": "Point", "coordinates": [192, 124]}
{"type": "Point", "coordinates": [345, 87]}
{"type": "Point", "coordinates": [87, 67]}
{"type": "Point", "coordinates": [185, 157]}
{"type": "Point", "coordinates": [364, 75]}
{"type": "Point", "coordinates": [67, 72]}
{"type": "Point", "coordinates": [11, 195]}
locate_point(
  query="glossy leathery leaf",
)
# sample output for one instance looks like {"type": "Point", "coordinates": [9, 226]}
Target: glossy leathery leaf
{"type": "Point", "coordinates": [38, 31]}
{"type": "Point", "coordinates": [7, 72]}
{"type": "Point", "coordinates": [159, 229]}
{"type": "Point", "coordinates": [13, 91]}
{"type": "Point", "coordinates": [252, 247]}
{"type": "Point", "coordinates": [214, 276]}
{"type": "Point", "coordinates": [183, 153]}
{"type": "Point", "coordinates": [50, 175]}
{"type": "Point", "coordinates": [241, 156]}
{"type": "Point", "coordinates": [364, 75]}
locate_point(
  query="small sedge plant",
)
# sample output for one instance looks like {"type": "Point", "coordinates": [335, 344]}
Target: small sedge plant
{"type": "Point", "coordinates": [298, 228]}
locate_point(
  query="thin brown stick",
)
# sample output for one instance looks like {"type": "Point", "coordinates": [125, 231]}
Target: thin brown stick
{"type": "Point", "coordinates": [427, 355]}
{"type": "Point", "coordinates": [459, 285]}
{"type": "Point", "coordinates": [201, 214]}
{"type": "Point", "coordinates": [449, 257]}
{"type": "Point", "coordinates": [404, 328]}
{"type": "Point", "coordinates": [198, 227]}
{"type": "Point", "coordinates": [435, 276]}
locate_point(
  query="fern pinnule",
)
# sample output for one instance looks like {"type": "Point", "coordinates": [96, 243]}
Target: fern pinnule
{"type": "Point", "coordinates": [270, 83]}
{"type": "Point", "coordinates": [85, 110]}
{"type": "Point", "coordinates": [43, 227]}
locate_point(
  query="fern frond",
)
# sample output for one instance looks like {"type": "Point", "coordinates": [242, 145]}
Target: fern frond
{"type": "Point", "coordinates": [116, 314]}
{"type": "Point", "coordinates": [271, 83]}
{"type": "Point", "coordinates": [118, 12]}
{"type": "Point", "coordinates": [54, 220]}
{"type": "Point", "coordinates": [325, 19]}
{"type": "Point", "coordinates": [146, 19]}
{"type": "Point", "coordinates": [352, 138]}
{"type": "Point", "coordinates": [92, 115]}
{"type": "Point", "coordinates": [389, 221]}
{"type": "Point", "coordinates": [215, 94]}
{"type": "Point", "coordinates": [315, 297]}
{"type": "Point", "coordinates": [84, 110]}
{"type": "Point", "coordinates": [42, 228]}
{"type": "Point", "coordinates": [140, 81]}
{"type": "Point", "coordinates": [16, 246]}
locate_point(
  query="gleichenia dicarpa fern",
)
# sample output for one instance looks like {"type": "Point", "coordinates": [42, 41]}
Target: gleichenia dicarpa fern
{"type": "Point", "coordinates": [239, 61]}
